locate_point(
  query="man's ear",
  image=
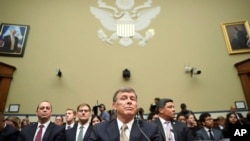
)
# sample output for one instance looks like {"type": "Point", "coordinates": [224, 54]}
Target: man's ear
{"type": "Point", "coordinates": [114, 106]}
{"type": "Point", "coordinates": [160, 110]}
{"type": "Point", "coordinates": [203, 123]}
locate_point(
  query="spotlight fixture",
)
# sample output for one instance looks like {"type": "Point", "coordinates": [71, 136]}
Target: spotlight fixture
{"type": "Point", "coordinates": [126, 74]}
{"type": "Point", "coordinates": [192, 71]}
{"type": "Point", "coordinates": [58, 73]}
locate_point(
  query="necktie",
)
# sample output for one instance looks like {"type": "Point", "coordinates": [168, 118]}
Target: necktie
{"type": "Point", "coordinates": [80, 135]}
{"type": "Point", "coordinates": [169, 131]}
{"type": "Point", "coordinates": [12, 38]}
{"type": "Point", "coordinates": [39, 133]}
{"type": "Point", "coordinates": [123, 136]}
{"type": "Point", "coordinates": [211, 135]}
{"type": "Point", "coordinates": [68, 127]}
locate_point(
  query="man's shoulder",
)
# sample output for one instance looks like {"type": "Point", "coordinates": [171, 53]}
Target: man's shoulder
{"type": "Point", "coordinates": [11, 130]}
{"type": "Point", "coordinates": [145, 123]}
{"type": "Point", "coordinates": [106, 123]}
{"type": "Point", "coordinates": [200, 130]}
{"type": "Point", "coordinates": [29, 127]}
{"type": "Point", "coordinates": [55, 127]}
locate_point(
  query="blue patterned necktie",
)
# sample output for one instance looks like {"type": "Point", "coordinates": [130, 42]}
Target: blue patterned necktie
{"type": "Point", "coordinates": [211, 135]}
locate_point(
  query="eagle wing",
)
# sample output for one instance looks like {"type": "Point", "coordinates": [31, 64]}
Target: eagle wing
{"type": "Point", "coordinates": [106, 18]}
{"type": "Point", "coordinates": [145, 17]}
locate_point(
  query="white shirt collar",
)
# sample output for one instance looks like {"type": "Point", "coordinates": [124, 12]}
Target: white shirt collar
{"type": "Point", "coordinates": [85, 126]}
{"type": "Point", "coordinates": [46, 124]}
{"type": "Point", "coordinates": [129, 124]}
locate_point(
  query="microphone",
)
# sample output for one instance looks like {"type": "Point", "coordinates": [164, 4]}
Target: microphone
{"type": "Point", "coordinates": [139, 127]}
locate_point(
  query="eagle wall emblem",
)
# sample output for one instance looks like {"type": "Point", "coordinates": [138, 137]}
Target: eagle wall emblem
{"type": "Point", "coordinates": [125, 22]}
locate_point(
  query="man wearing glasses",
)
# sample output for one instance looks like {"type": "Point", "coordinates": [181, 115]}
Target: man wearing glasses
{"type": "Point", "coordinates": [207, 132]}
{"type": "Point", "coordinates": [82, 128]}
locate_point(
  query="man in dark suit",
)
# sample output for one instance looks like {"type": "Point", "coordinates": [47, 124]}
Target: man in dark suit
{"type": "Point", "coordinates": [82, 128]}
{"type": "Point", "coordinates": [185, 111]}
{"type": "Point", "coordinates": [207, 132]}
{"type": "Point", "coordinates": [50, 131]}
{"type": "Point", "coordinates": [70, 118]}
{"type": "Point", "coordinates": [10, 42]}
{"type": "Point", "coordinates": [7, 132]}
{"type": "Point", "coordinates": [171, 129]}
{"type": "Point", "coordinates": [125, 127]}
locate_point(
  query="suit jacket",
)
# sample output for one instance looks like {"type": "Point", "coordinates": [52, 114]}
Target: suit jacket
{"type": "Point", "coordinates": [202, 134]}
{"type": "Point", "coordinates": [108, 131]}
{"type": "Point", "coordinates": [52, 133]}
{"type": "Point", "coordinates": [71, 133]}
{"type": "Point", "coordinates": [9, 133]}
{"type": "Point", "coordinates": [7, 44]}
{"type": "Point", "coordinates": [180, 130]}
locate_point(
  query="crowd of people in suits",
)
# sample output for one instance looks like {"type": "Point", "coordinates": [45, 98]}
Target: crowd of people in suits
{"type": "Point", "coordinates": [126, 122]}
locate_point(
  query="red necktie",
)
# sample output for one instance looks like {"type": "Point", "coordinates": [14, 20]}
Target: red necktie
{"type": "Point", "coordinates": [39, 133]}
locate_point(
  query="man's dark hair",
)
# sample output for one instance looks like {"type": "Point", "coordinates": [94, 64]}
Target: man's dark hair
{"type": "Point", "coordinates": [203, 116]}
{"type": "Point", "coordinates": [102, 105]}
{"type": "Point", "coordinates": [183, 106]}
{"type": "Point", "coordinates": [121, 90]}
{"type": "Point", "coordinates": [163, 102]}
{"type": "Point", "coordinates": [157, 99]}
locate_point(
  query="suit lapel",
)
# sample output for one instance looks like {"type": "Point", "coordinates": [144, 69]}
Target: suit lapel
{"type": "Point", "coordinates": [113, 131]}
{"type": "Point", "coordinates": [204, 132]}
{"type": "Point", "coordinates": [216, 135]}
{"type": "Point", "coordinates": [48, 131]}
{"type": "Point", "coordinates": [175, 126]}
{"type": "Point", "coordinates": [74, 135]}
{"type": "Point", "coordinates": [135, 132]}
{"type": "Point", "coordinates": [33, 130]}
{"type": "Point", "coordinates": [162, 132]}
{"type": "Point", "coordinates": [88, 132]}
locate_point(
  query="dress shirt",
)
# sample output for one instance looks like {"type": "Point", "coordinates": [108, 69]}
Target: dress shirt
{"type": "Point", "coordinates": [85, 128]}
{"type": "Point", "coordinates": [129, 124]}
{"type": "Point", "coordinates": [71, 126]}
{"type": "Point", "coordinates": [163, 123]}
{"type": "Point", "coordinates": [44, 129]}
{"type": "Point", "coordinates": [207, 130]}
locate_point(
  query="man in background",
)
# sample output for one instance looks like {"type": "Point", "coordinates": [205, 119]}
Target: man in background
{"type": "Point", "coordinates": [207, 132]}
{"type": "Point", "coordinates": [171, 129]}
{"type": "Point", "coordinates": [153, 108]}
{"type": "Point", "coordinates": [44, 129]}
{"type": "Point", "coordinates": [9, 42]}
{"type": "Point", "coordinates": [59, 120]}
{"type": "Point", "coordinates": [70, 117]}
{"type": "Point", "coordinates": [105, 116]}
{"type": "Point", "coordinates": [7, 132]}
{"type": "Point", "coordinates": [184, 111]}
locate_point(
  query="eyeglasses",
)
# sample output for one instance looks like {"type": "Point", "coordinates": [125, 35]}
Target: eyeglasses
{"type": "Point", "coordinates": [83, 111]}
{"type": "Point", "coordinates": [209, 119]}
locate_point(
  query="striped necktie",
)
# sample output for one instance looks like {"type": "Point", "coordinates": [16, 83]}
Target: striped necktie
{"type": "Point", "coordinates": [169, 133]}
{"type": "Point", "coordinates": [39, 133]}
{"type": "Point", "coordinates": [123, 136]}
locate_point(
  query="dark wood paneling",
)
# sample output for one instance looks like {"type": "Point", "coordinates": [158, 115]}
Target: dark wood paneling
{"type": "Point", "coordinates": [6, 74]}
{"type": "Point", "coordinates": [243, 68]}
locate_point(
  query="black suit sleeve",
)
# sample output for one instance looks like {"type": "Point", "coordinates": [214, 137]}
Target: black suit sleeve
{"type": "Point", "coordinates": [9, 134]}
